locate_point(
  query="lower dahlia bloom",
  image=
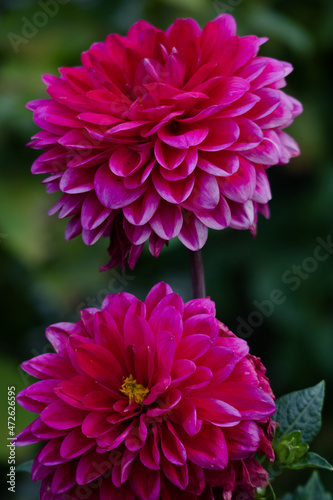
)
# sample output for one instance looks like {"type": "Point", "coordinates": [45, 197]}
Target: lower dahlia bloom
{"type": "Point", "coordinates": [147, 400]}
{"type": "Point", "coordinates": [164, 134]}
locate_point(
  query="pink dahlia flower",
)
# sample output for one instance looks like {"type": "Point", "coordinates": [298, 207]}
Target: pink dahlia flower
{"type": "Point", "coordinates": [164, 134]}
{"type": "Point", "coordinates": [147, 400]}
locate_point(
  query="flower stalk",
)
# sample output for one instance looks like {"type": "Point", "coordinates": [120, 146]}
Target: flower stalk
{"type": "Point", "coordinates": [197, 275]}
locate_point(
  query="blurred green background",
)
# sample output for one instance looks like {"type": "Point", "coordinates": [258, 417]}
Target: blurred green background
{"type": "Point", "coordinates": [45, 279]}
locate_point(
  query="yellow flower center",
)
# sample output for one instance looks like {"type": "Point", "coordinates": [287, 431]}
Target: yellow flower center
{"type": "Point", "coordinates": [133, 390]}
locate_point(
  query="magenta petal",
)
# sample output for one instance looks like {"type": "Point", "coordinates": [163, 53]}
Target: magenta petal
{"type": "Point", "coordinates": [37, 396]}
{"type": "Point", "coordinates": [219, 218]}
{"type": "Point", "coordinates": [205, 194]}
{"type": "Point", "coordinates": [217, 412]}
{"type": "Point", "coordinates": [93, 214]}
{"type": "Point", "coordinates": [252, 402]}
{"type": "Point", "coordinates": [173, 449]}
{"type": "Point", "coordinates": [203, 323]}
{"type": "Point", "coordinates": [92, 465]}
{"type": "Point", "coordinates": [221, 136]}
{"type": "Point", "coordinates": [144, 482]}
{"type": "Point", "coordinates": [186, 414]}
{"type": "Point", "coordinates": [168, 156]}
{"type": "Point", "coordinates": [182, 136]}
{"type": "Point", "coordinates": [193, 346]}
{"type": "Point", "coordinates": [111, 192]}
{"type": "Point", "coordinates": [262, 193]}
{"type": "Point", "coordinates": [64, 478]}
{"type": "Point", "coordinates": [207, 448]}
{"type": "Point", "coordinates": [167, 221]}
{"type": "Point", "coordinates": [136, 234]}
{"type": "Point", "coordinates": [219, 163]}
{"type": "Point", "coordinates": [77, 181]}
{"type": "Point", "coordinates": [49, 455]}
{"type": "Point", "coordinates": [173, 191]}
{"type": "Point", "coordinates": [95, 361]}
{"type": "Point", "coordinates": [156, 294]}
{"type": "Point", "coordinates": [194, 233]}
{"type": "Point", "coordinates": [125, 161]}
{"type": "Point", "coordinates": [60, 415]}
{"type": "Point", "coordinates": [243, 440]}
{"type": "Point", "coordinates": [250, 135]}
{"type": "Point", "coordinates": [240, 186]}
{"type": "Point", "coordinates": [141, 211]}
{"type": "Point", "coordinates": [49, 365]}
{"type": "Point", "coordinates": [149, 453]}
{"type": "Point", "coordinates": [75, 444]}
{"type": "Point", "coordinates": [242, 214]}
{"type": "Point", "coordinates": [109, 490]}
{"type": "Point", "coordinates": [177, 474]}
{"type": "Point", "coordinates": [167, 319]}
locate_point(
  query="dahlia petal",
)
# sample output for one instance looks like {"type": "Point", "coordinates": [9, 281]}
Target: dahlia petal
{"type": "Point", "coordinates": [184, 170]}
{"type": "Point", "coordinates": [168, 156]}
{"type": "Point", "coordinates": [156, 294]}
{"type": "Point", "coordinates": [145, 483]}
{"type": "Point", "coordinates": [40, 471]}
{"type": "Point", "coordinates": [173, 191]}
{"type": "Point", "coordinates": [60, 415]}
{"type": "Point", "coordinates": [95, 424]}
{"type": "Point", "coordinates": [49, 365]}
{"type": "Point", "coordinates": [193, 233]}
{"type": "Point", "coordinates": [75, 444]}
{"type": "Point", "coordinates": [240, 186]}
{"type": "Point", "coordinates": [165, 348]}
{"type": "Point", "coordinates": [95, 361]}
{"type": "Point", "coordinates": [215, 34]}
{"type": "Point", "coordinates": [221, 137]}
{"type": "Point", "coordinates": [219, 163]}
{"type": "Point", "coordinates": [98, 118]}
{"type": "Point", "coordinates": [166, 402]}
{"type": "Point", "coordinates": [50, 455]}
{"type": "Point", "coordinates": [149, 453]}
{"type": "Point", "coordinates": [249, 137]}
{"type": "Point", "coordinates": [242, 440]}
{"type": "Point", "coordinates": [109, 490]}
{"type": "Point", "coordinates": [26, 437]}
{"type": "Point", "coordinates": [137, 331]}
{"type": "Point", "coordinates": [217, 412]}
{"type": "Point", "coordinates": [250, 401]}
{"type": "Point", "coordinates": [167, 319]}
{"type": "Point", "coordinates": [156, 244]}
{"type": "Point", "coordinates": [118, 305]}
{"type": "Point", "coordinates": [172, 299]}
{"type": "Point", "coordinates": [177, 474]}
{"type": "Point", "coordinates": [98, 400]}
{"type": "Point", "coordinates": [203, 323]}
{"type": "Point", "coordinates": [181, 370]}
{"type": "Point", "coordinates": [90, 236]}
{"type": "Point", "coordinates": [181, 136]}
{"type": "Point", "coordinates": [221, 361]}
{"type": "Point", "coordinates": [199, 306]}
{"type": "Point", "coordinates": [167, 220]}
{"type": "Point", "coordinates": [200, 378]}
{"type": "Point", "coordinates": [186, 416]}
{"type": "Point", "coordinates": [124, 161]}
{"type": "Point", "coordinates": [193, 346]}
{"type": "Point", "coordinates": [121, 472]}
{"type": "Point", "coordinates": [207, 448]}
{"type": "Point", "coordinates": [92, 465]}
{"type": "Point", "coordinates": [58, 333]}
{"type": "Point", "coordinates": [35, 397]}
{"type": "Point", "coordinates": [142, 210]}
{"type": "Point", "coordinates": [205, 194]}
{"type": "Point", "coordinates": [262, 193]}
{"type": "Point", "coordinates": [137, 234]}
{"type": "Point", "coordinates": [63, 478]}
{"type": "Point", "coordinates": [73, 228]}
{"type": "Point", "coordinates": [219, 218]}
{"type": "Point", "coordinates": [181, 31]}
{"type": "Point", "coordinates": [111, 192]}
{"type": "Point", "coordinates": [242, 215]}
{"type": "Point", "coordinates": [93, 214]}
{"type": "Point", "coordinates": [43, 431]}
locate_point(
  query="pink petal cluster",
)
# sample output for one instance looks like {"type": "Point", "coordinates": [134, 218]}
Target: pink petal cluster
{"type": "Point", "coordinates": [148, 400]}
{"type": "Point", "coordinates": [164, 134]}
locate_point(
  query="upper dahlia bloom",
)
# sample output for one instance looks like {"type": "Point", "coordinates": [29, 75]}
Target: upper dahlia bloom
{"type": "Point", "coordinates": [164, 134]}
{"type": "Point", "coordinates": [148, 400]}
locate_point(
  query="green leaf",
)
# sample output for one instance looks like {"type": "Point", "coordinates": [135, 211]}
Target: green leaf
{"type": "Point", "coordinates": [313, 490]}
{"type": "Point", "coordinates": [301, 410]}
{"type": "Point", "coordinates": [310, 459]}
{"type": "Point", "coordinates": [25, 466]}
